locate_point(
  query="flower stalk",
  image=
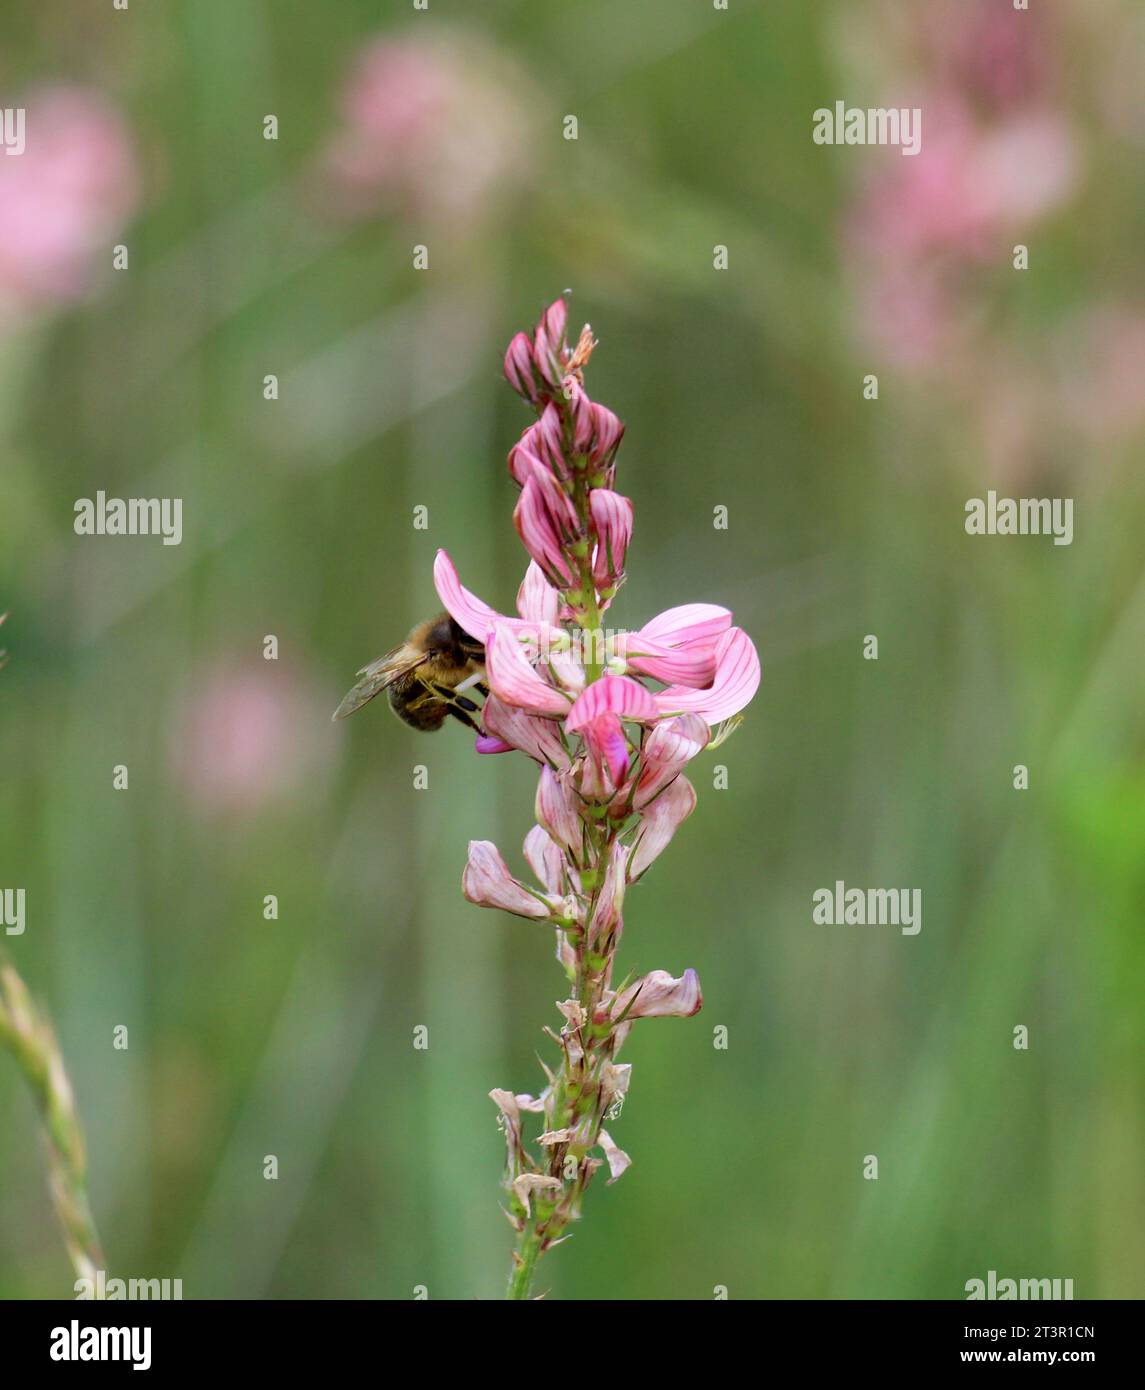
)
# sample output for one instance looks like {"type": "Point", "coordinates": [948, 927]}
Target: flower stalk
{"type": "Point", "coordinates": [612, 717]}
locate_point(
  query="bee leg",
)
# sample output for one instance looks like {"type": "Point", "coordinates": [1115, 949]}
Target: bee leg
{"type": "Point", "coordinates": [465, 718]}
{"type": "Point", "coordinates": [451, 697]}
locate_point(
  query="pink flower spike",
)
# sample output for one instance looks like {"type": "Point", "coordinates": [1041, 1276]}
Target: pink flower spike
{"type": "Point", "coordinates": [519, 367]}
{"type": "Point", "coordinates": [513, 680]}
{"type": "Point", "coordinates": [487, 882]}
{"type": "Point", "coordinates": [658, 995]}
{"type": "Point", "coordinates": [735, 682]}
{"type": "Point", "coordinates": [617, 695]}
{"type": "Point", "coordinates": [612, 517]}
{"type": "Point", "coordinates": [539, 738]}
{"type": "Point", "coordinates": [466, 609]}
{"type": "Point", "coordinates": [662, 818]}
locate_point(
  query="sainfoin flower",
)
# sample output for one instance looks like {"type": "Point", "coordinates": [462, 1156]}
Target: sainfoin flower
{"type": "Point", "coordinates": [612, 716]}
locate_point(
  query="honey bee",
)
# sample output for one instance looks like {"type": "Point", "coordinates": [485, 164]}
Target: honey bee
{"type": "Point", "coordinates": [425, 677]}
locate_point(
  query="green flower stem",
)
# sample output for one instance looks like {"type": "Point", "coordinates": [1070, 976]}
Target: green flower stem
{"type": "Point", "coordinates": [525, 1261]}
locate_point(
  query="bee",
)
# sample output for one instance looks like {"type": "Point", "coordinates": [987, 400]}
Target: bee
{"type": "Point", "coordinates": [425, 677]}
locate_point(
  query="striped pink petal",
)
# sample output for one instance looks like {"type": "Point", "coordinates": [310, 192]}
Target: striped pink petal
{"type": "Point", "coordinates": [607, 433]}
{"type": "Point", "coordinates": [689, 623]}
{"type": "Point", "coordinates": [544, 858]}
{"type": "Point", "coordinates": [537, 601]}
{"type": "Point", "coordinates": [519, 367]}
{"type": "Point", "coordinates": [660, 821]}
{"type": "Point", "coordinates": [693, 665]}
{"type": "Point", "coordinates": [668, 748]}
{"type": "Point", "coordinates": [580, 407]}
{"type": "Point", "coordinates": [735, 682]}
{"type": "Point", "coordinates": [546, 520]}
{"type": "Point", "coordinates": [523, 459]}
{"type": "Point", "coordinates": [466, 609]}
{"type": "Point", "coordinates": [539, 738]}
{"type": "Point", "coordinates": [549, 342]}
{"type": "Point", "coordinates": [618, 695]}
{"type": "Point", "coordinates": [612, 517]}
{"type": "Point", "coordinates": [607, 749]}
{"type": "Point", "coordinates": [557, 809]}
{"type": "Point", "coordinates": [513, 679]}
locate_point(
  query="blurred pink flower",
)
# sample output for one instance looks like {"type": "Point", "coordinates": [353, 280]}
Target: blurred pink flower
{"type": "Point", "coordinates": [246, 733]}
{"type": "Point", "coordinates": [922, 226]}
{"type": "Point", "coordinates": [63, 200]}
{"type": "Point", "coordinates": [433, 124]}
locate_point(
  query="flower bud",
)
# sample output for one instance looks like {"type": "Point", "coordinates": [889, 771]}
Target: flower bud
{"type": "Point", "coordinates": [519, 368]}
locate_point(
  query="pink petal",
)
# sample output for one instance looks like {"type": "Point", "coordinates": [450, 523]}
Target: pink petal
{"type": "Point", "coordinates": [539, 738]}
{"type": "Point", "coordinates": [466, 609]}
{"type": "Point", "coordinates": [580, 408]}
{"type": "Point", "coordinates": [612, 517]}
{"type": "Point", "coordinates": [544, 858]}
{"type": "Point", "coordinates": [549, 341]}
{"type": "Point", "coordinates": [538, 522]}
{"type": "Point", "coordinates": [557, 809]}
{"type": "Point", "coordinates": [519, 367]}
{"type": "Point", "coordinates": [513, 679]}
{"type": "Point", "coordinates": [667, 749]}
{"type": "Point", "coordinates": [606, 920]}
{"type": "Point", "coordinates": [693, 666]}
{"type": "Point", "coordinates": [487, 882]}
{"type": "Point", "coordinates": [537, 601]}
{"type": "Point", "coordinates": [736, 681]}
{"type": "Point", "coordinates": [607, 434]}
{"type": "Point", "coordinates": [607, 747]}
{"type": "Point", "coordinates": [690, 622]}
{"type": "Point", "coordinates": [487, 743]}
{"type": "Point", "coordinates": [658, 995]}
{"type": "Point", "coordinates": [617, 695]}
{"type": "Point", "coordinates": [660, 821]}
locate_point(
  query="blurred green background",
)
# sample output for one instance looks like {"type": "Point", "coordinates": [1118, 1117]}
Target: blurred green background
{"type": "Point", "coordinates": [740, 388]}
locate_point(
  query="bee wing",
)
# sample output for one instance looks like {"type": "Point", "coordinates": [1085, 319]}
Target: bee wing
{"type": "Point", "coordinates": [378, 676]}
